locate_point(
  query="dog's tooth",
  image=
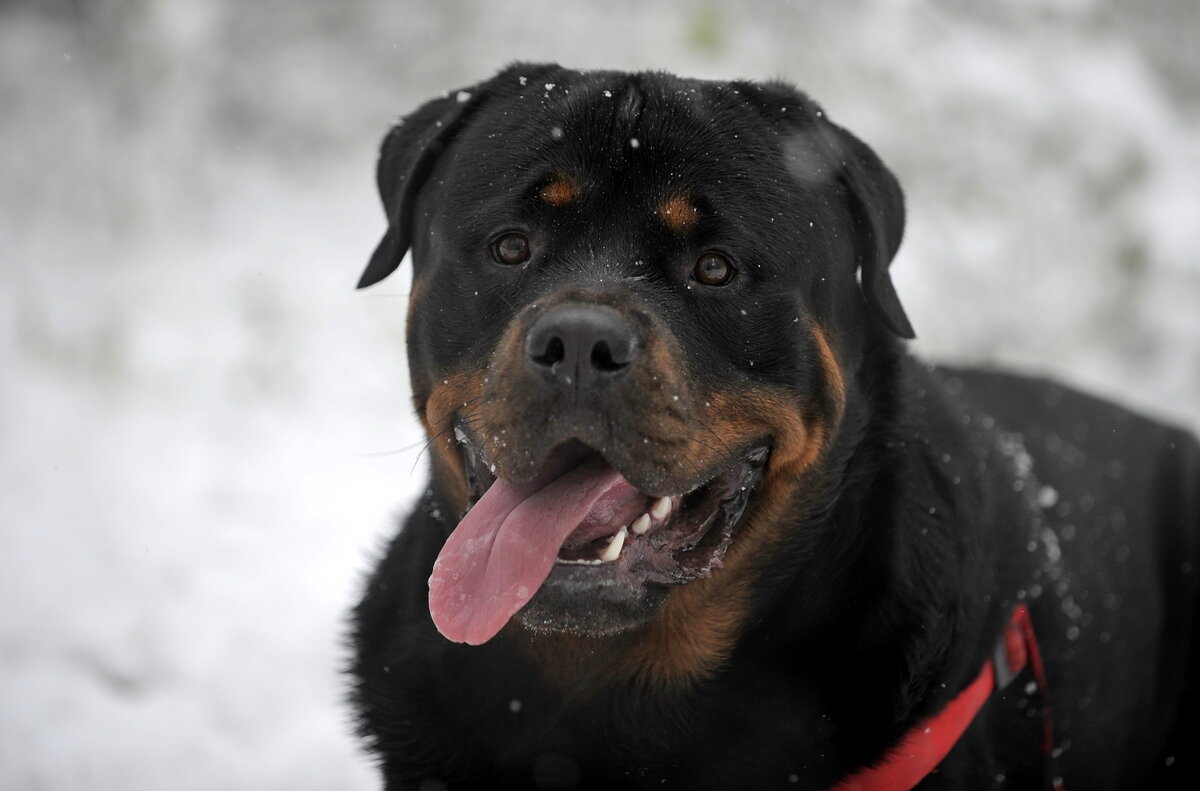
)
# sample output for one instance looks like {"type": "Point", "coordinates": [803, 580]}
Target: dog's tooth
{"type": "Point", "coordinates": [613, 550]}
{"type": "Point", "coordinates": [661, 508]}
{"type": "Point", "coordinates": [640, 525]}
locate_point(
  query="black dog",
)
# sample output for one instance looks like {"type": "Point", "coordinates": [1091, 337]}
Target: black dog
{"type": "Point", "coordinates": [698, 518]}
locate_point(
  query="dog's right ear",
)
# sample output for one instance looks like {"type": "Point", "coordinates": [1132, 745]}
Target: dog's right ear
{"type": "Point", "coordinates": [411, 149]}
{"type": "Point", "coordinates": [406, 158]}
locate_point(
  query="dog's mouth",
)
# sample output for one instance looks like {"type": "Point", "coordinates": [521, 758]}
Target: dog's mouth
{"type": "Point", "coordinates": [581, 528]}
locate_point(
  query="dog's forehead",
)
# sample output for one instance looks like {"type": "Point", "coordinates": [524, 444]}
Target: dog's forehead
{"type": "Point", "coordinates": [650, 132]}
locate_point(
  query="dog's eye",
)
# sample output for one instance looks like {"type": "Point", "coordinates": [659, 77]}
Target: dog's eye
{"type": "Point", "coordinates": [511, 249]}
{"type": "Point", "coordinates": [713, 269]}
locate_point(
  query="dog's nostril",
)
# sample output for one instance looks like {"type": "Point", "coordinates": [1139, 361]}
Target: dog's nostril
{"type": "Point", "coordinates": [604, 360]}
{"type": "Point", "coordinates": [554, 353]}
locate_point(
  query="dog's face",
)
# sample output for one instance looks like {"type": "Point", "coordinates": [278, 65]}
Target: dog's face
{"type": "Point", "coordinates": [637, 307]}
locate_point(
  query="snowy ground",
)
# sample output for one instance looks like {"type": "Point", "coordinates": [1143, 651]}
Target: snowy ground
{"type": "Point", "coordinates": [205, 432]}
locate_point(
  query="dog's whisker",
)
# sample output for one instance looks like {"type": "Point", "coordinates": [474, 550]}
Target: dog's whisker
{"type": "Point", "coordinates": [375, 454]}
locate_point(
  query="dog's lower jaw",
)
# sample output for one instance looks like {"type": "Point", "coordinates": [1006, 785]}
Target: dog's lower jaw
{"type": "Point", "coordinates": [680, 641]}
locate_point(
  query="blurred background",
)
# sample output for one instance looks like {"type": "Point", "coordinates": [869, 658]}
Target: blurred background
{"type": "Point", "coordinates": [205, 432]}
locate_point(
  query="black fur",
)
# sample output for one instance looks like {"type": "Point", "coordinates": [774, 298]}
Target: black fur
{"type": "Point", "coordinates": [944, 497]}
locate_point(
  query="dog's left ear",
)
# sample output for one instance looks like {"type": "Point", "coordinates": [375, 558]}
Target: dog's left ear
{"type": "Point", "coordinates": [876, 201]}
{"type": "Point", "coordinates": [877, 204]}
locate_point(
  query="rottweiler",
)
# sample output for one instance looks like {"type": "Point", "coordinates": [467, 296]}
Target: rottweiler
{"type": "Point", "coordinates": [696, 519]}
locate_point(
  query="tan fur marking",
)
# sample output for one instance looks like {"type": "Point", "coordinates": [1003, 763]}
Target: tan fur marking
{"type": "Point", "coordinates": [694, 633]}
{"type": "Point", "coordinates": [835, 384]}
{"type": "Point", "coordinates": [414, 297]}
{"type": "Point", "coordinates": [460, 391]}
{"type": "Point", "coordinates": [678, 213]}
{"type": "Point", "coordinates": [561, 191]}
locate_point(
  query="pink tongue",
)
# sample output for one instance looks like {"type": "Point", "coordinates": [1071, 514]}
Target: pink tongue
{"type": "Point", "coordinates": [504, 548]}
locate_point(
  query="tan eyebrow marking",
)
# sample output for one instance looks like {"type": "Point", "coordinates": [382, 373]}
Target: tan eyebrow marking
{"type": "Point", "coordinates": [561, 191]}
{"type": "Point", "coordinates": [678, 213]}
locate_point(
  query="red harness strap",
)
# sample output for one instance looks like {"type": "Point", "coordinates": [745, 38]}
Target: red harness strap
{"type": "Point", "coordinates": [923, 747]}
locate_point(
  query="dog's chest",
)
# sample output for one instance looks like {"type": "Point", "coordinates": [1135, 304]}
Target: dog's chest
{"type": "Point", "coordinates": [510, 727]}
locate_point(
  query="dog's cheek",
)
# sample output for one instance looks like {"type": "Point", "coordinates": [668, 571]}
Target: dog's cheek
{"type": "Point", "coordinates": [832, 378]}
{"type": "Point", "coordinates": [799, 427]}
{"type": "Point", "coordinates": [454, 394]}
{"type": "Point", "coordinates": [804, 428]}
{"type": "Point", "coordinates": [435, 397]}
{"type": "Point", "coordinates": [511, 425]}
{"type": "Point", "coordinates": [700, 623]}
{"type": "Point", "coordinates": [419, 377]}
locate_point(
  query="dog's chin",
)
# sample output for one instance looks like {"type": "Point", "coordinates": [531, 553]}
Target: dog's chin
{"type": "Point", "coordinates": [569, 602]}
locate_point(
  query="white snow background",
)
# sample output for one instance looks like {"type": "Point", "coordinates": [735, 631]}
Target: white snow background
{"type": "Point", "coordinates": [205, 432]}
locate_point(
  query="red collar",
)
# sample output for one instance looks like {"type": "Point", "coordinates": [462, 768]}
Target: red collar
{"type": "Point", "coordinates": [924, 746]}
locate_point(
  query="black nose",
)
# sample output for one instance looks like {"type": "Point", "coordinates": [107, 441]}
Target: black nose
{"type": "Point", "coordinates": [581, 346]}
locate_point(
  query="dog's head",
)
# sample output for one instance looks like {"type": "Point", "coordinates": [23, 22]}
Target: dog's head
{"type": "Point", "coordinates": [637, 305]}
